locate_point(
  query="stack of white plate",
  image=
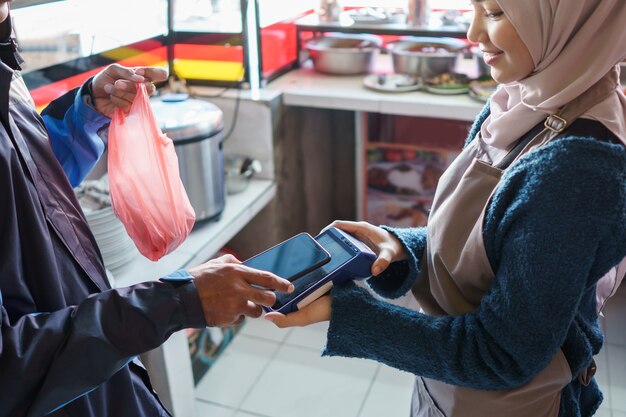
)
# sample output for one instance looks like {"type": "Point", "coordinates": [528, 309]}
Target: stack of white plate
{"type": "Point", "coordinates": [117, 248]}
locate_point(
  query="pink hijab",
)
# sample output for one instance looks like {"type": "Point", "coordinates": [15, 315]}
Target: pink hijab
{"type": "Point", "coordinates": [573, 43]}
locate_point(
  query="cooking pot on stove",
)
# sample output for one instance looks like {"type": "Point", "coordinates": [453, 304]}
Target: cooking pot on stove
{"type": "Point", "coordinates": [196, 126]}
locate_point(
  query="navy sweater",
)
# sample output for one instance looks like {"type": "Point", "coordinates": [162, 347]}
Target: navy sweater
{"type": "Point", "coordinates": [555, 225]}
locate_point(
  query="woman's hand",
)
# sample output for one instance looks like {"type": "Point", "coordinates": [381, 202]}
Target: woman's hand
{"type": "Point", "coordinates": [115, 86]}
{"type": "Point", "coordinates": [385, 245]}
{"type": "Point", "coordinates": [317, 311]}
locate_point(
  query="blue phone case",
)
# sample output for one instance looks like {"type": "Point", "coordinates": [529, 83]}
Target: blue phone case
{"type": "Point", "coordinates": [359, 259]}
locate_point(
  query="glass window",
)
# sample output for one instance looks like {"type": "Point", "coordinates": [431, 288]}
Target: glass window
{"type": "Point", "coordinates": [215, 16]}
{"type": "Point", "coordinates": [274, 11]}
{"type": "Point", "coordinates": [54, 32]}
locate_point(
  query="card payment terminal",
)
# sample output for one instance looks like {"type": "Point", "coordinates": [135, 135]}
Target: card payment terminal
{"type": "Point", "coordinates": [350, 259]}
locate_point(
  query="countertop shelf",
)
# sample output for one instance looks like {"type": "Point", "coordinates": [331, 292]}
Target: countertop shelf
{"type": "Point", "coordinates": [205, 239]}
{"type": "Point", "coordinates": [307, 88]}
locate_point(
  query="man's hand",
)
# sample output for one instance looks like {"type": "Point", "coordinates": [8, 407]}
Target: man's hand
{"type": "Point", "coordinates": [228, 293]}
{"type": "Point", "coordinates": [115, 86]}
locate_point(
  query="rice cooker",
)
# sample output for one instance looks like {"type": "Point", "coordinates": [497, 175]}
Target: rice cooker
{"type": "Point", "coordinates": [196, 128]}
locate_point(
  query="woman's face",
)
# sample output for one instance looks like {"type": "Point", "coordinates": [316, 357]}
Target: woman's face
{"type": "Point", "coordinates": [503, 50]}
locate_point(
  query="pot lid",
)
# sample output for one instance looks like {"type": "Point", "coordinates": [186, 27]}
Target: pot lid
{"type": "Point", "coordinates": [181, 117]}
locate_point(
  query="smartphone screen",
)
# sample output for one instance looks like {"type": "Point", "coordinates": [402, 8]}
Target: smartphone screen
{"type": "Point", "coordinates": [339, 255]}
{"type": "Point", "coordinates": [292, 258]}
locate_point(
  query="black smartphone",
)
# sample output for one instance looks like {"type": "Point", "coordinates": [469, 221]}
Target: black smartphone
{"type": "Point", "coordinates": [292, 258]}
{"type": "Point", "coordinates": [307, 287]}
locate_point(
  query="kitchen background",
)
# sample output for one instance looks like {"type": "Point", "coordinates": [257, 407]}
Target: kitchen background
{"type": "Point", "coordinates": [315, 147]}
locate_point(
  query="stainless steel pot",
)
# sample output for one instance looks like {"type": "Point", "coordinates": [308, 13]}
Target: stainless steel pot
{"type": "Point", "coordinates": [342, 55]}
{"type": "Point", "coordinates": [425, 57]}
{"type": "Point", "coordinates": [195, 127]}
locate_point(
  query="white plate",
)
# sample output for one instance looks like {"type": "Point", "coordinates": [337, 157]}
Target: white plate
{"type": "Point", "coordinates": [482, 90]}
{"type": "Point", "coordinates": [99, 214]}
{"type": "Point", "coordinates": [109, 232]}
{"type": "Point", "coordinates": [392, 83]}
{"type": "Point", "coordinates": [103, 221]}
{"type": "Point", "coordinates": [476, 97]}
{"type": "Point", "coordinates": [118, 265]}
{"type": "Point", "coordinates": [123, 255]}
{"type": "Point", "coordinates": [446, 91]}
{"type": "Point", "coordinates": [122, 241]}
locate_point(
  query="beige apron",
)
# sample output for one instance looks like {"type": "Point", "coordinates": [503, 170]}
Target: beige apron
{"type": "Point", "coordinates": [458, 274]}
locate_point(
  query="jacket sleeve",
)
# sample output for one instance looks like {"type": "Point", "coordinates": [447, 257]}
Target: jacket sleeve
{"type": "Point", "coordinates": [555, 226]}
{"type": "Point", "coordinates": [49, 359]}
{"type": "Point", "coordinates": [75, 130]}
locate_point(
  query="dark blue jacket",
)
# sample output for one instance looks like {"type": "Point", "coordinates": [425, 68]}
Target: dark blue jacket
{"type": "Point", "coordinates": [68, 341]}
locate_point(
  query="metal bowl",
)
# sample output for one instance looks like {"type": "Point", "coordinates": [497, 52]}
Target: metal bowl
{"type": "Point", "coordinates": [342, 55]}
{"type": "Point", "coordinates": [425, 57]}
{"type": "Point", "coordinates": [238, 171]}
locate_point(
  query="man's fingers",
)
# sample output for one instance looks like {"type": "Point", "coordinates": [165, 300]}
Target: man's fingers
{"type": "Point", "coordinates": [150, 87]}
{"type": "Point", "coordinates": [225, 259]}
{"type": "Point", "coordinates": [125, 90]}
{"type": "Point", "coordinates": [153, 74]}
{"type": "Point", "coordinates": [124, 105]}
{"type": "Point", "coordinates": [121, 93]}
{"type": "Point", "coordinates": [116, 72]}
{"type": "Point", "coordinates": [253, 310]}
{"type": "Point", "coordinates": [262, 297]}
{"type": "Point", "coordinates": [267, 280]}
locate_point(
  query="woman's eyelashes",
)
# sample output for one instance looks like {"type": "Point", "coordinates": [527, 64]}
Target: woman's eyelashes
{"type": "Point", "coordinates": [493, 15]}
{"type": "Point", "coordinates": [480, 8]}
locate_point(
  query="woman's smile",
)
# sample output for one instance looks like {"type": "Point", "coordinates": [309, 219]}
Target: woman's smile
{"type": "Point", "coordinates": [491, 57]}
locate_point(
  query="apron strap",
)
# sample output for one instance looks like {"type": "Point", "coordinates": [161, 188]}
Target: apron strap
{"type": "Point", "coordinates": [519, 147]}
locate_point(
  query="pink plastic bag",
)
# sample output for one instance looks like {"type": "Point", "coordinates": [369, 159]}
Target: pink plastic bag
{"type": "Point", "coordinates": [147, 193]}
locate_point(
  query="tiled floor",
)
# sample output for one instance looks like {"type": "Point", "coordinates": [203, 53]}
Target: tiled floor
{"type": "Point", "coordinates": [270, 372]}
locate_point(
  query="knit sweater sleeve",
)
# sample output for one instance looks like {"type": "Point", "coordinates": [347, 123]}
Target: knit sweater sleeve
{"type": "Point", "coordinates": [554, 226]}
